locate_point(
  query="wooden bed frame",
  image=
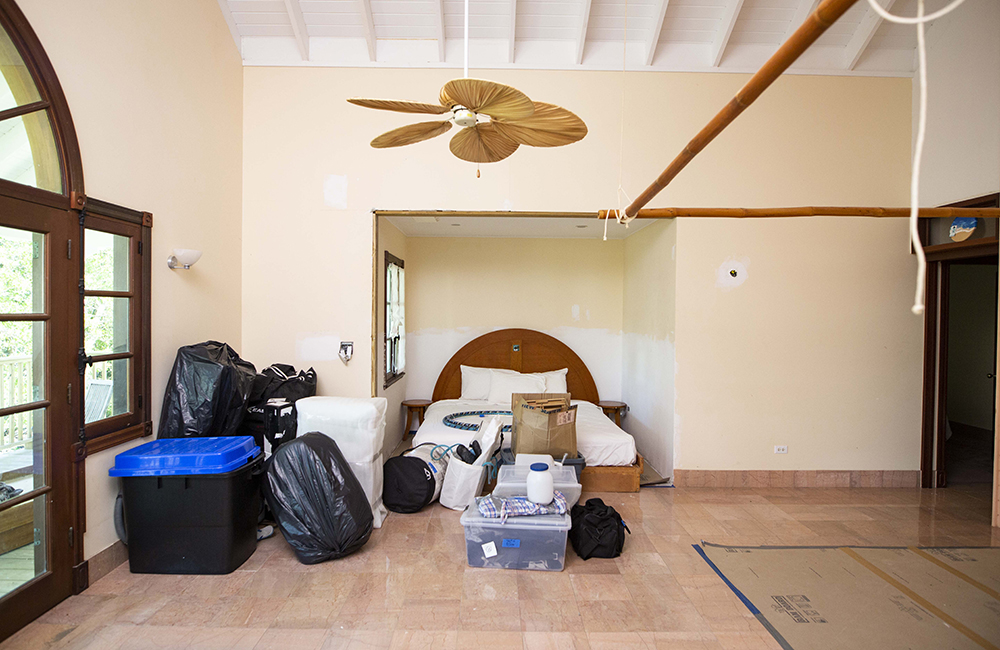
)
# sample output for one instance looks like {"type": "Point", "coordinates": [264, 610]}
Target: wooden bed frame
{"type": "Point", "coordinates": [530, 351]}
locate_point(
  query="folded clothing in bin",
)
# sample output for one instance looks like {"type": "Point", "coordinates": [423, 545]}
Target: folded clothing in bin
{"type": "Point", "coordinates": [320, 506]}
{"type": "Point", "coordinates": [191, 504]}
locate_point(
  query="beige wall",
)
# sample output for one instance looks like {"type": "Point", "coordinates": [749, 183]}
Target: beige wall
{"type": "Point", "coordinates": [461, 288]}
{"type": "Point", "coordinates": [155, 89]}
{"type": "Point", "coordinates": [971, 353]}
{"type": "Point", "coordinates": [817, 349]}
{"type": "Point", "coordinates": [962, 146]}
{"type": "Point", "coordinates": [649, 295]}
{"type": "Point", "coordinates": [808, 140]}
{"type": "Point", "coordinates": [393, 241]}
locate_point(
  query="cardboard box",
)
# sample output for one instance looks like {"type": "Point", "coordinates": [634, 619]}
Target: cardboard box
{"type": "Point", "coordinates": [544, 423]}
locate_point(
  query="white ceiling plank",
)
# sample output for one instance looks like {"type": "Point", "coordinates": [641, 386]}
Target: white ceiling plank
{"type": "Point", "coordinates": [653, 38]}
{"type": "Point", "coordinates": [368, 25]}
{"type": "Point", "coordinates": [439, 25]}
{"type": "Point", "coordinates": [731, 13]}
{"type": "Point", "coordinates": [513, 31]}
{"type": "Point", "coordinates": [802, 12]}
{"type": "Point", "coordinates": [863, 35]}
{"type": "Point", "coordinates": [581, 38]}
{"type": "Point", "coordinates": [298, 27]}
{"type": "Point", "coordinates": [231, 24]}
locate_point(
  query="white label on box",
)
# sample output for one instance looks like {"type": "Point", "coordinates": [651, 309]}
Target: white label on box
{"type": "Point", "coordinates": [565, 417]}
{"type": "Point", "coordinates": [490, 549]}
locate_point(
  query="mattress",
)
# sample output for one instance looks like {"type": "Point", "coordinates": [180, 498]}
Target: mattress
{"type": "Point", "coordinates": [598, 438]}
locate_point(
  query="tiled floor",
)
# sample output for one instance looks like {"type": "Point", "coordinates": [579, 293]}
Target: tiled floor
{"type": "Point", "coordinates": [410, 586]}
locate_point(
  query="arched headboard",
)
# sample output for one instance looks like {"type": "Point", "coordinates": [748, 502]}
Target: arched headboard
{"type": "Point", "coordinates": [520, 350]}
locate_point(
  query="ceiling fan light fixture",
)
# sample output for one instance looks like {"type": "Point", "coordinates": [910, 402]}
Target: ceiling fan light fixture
{"type": "Point", "coordinates": [464, 117]}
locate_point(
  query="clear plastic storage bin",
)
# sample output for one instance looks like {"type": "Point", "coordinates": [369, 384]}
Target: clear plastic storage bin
{"type": "Point", "coordinates": [536, 543]}
{"type": "Point", "coordinates": [512, 481]}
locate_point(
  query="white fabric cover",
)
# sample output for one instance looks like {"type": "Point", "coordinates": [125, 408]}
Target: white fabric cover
{"type": "Point", "coordinates": [555, 380]}
{"type": "Point", "coordinates": [504, 384]}
{"type": "Point", "coordinates": [357, 425]}
{"type": "Point", "coordinates": [598, 438]}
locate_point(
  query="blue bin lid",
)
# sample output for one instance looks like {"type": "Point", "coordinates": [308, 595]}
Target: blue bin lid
{"type": "Point", "coordinates": [180, 456]}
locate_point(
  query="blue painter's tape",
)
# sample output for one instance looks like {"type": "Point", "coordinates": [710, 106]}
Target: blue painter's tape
{"type": "Point", "coordinates": [511, 543]}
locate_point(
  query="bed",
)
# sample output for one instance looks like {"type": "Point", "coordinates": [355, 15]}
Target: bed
{"type": "Point", "coordinates": [612, 462]}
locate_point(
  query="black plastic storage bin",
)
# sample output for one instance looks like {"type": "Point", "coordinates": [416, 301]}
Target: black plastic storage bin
{"type": "Point", "coordinates": [191, 504]}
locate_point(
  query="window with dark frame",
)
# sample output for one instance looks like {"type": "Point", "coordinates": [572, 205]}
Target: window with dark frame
{"type": "Point", "coordinates": [115, 350]}
{"type": "Point", "coordinates": [394, 280]}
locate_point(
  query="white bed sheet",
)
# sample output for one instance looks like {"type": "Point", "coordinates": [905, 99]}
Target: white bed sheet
{"type": "Point", "coordinates": [598, 438]}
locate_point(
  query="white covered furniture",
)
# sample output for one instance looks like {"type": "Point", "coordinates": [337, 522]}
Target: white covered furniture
{"type": "Point", "coordinates": [357, 425]}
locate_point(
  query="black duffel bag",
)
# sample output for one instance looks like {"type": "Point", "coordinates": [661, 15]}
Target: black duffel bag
{"type": "Point", "coordinates": [277, 381]}
{"type": "Point", "coordinates": [598, 530]}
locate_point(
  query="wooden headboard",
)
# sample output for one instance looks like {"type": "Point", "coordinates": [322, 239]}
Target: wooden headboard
{"type": "Point", "coordinates": [520, 350]}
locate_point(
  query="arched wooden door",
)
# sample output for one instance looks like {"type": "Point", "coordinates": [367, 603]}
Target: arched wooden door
{"type": "Point", "coordinates": [41, 180]}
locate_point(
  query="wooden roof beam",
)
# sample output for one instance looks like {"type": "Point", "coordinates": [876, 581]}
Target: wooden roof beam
{"type": "Point", "coordinates": [581, 36]}
{"type": "Point", "coordinates": [653, 37]}
{"type": "Point", "coordinates": [368, 26]}
{"type": "Point", "coordinates": [729, 17]}
{"type": "Point", "coordinates": [298, 21]}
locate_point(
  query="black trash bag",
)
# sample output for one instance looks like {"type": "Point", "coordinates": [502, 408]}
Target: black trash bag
{"type": "Point", "coordinates": [317, 501]}
{"type": "Point", "coordinates": [279, 380]}
{"type": "Point", "coordinates": [207, 392]}
{"type": "Point", "coordinates": [598, 530]}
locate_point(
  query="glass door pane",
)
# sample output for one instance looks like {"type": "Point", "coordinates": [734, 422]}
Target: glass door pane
{"type": "Point", "coordinates": [23, 554]}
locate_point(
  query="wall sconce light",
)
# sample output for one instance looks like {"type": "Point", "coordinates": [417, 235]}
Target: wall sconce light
{"type": "Point", "coordinates": [183, 258]}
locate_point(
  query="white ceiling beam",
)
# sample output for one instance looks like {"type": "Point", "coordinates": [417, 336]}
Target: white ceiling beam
{"type": "Point", "coordinates": [513, 31]}
{"type": "Point", "coordinates": [581, 37]}
{"type": "Point", "coordinates": [368, 25]}
{"type": "Point", "coordinates": [231, 24]}
{"type": "Point", "coordinates": [298, 27]}
{"type": "Point", "coordinates": [439, 24]}
{"type": "Point", "coordinates": [802, 12]}
{"type": "Point", "coordinates": [863, 35]}
{"type": "Point", "coordinates": [731, 13]}
{"type": "Point", "coordinates": [653, 37]}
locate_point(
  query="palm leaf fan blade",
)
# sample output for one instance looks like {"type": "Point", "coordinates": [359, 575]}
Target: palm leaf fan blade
{"type": "Point", "coordinates": [488, 97]}
{"type": "Point", "coordinates": [548, 126]}
{"type": "Point", "coordinates": [481, 144]}
{"type": "Point", "coordinates": [400, 106]}
{"type": "Point", "coordinates": [410, 134]}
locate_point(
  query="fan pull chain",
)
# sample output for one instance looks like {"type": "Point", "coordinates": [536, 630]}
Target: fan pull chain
{"type": "Point", "coordinates": [620, 215]}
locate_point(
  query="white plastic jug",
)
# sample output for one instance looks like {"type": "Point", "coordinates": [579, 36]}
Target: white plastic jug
{"type": "Point", "coordinates": [540, 484]}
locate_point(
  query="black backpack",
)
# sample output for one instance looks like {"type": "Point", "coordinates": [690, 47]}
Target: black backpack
{"type": "Point", "coordinates": [278, 380]}
{"type": "Point", "coordinates": [598, 530]}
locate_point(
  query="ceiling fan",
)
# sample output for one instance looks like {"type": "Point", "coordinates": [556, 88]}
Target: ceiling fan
{"type": "Point", "coordinates": [494, 119]}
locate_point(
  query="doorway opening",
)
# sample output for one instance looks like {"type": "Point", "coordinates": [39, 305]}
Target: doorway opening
{"type": "Point", "coordinates": [960, 352]}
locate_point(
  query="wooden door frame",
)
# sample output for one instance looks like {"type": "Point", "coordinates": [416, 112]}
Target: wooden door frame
{"type": "Point", "coordinates": [939, 258]}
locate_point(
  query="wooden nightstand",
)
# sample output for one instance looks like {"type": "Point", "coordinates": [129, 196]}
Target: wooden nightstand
{"type": "Point", "coordinates": [414, 407]}
{"type": "Point", "coordinates": [609, 408]}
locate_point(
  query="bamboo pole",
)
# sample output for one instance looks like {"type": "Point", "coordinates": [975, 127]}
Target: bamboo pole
{"type": "Point", "coordinates": [818, 21]}
{"type": "Point", "coordinates": [805, 211]}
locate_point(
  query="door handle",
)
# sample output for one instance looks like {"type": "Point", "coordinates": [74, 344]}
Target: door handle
{"type": "Point", "coordinates": [990, 375]}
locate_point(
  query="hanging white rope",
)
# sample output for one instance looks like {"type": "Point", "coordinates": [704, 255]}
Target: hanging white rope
{"type": "Point", "coordinates": [620, 216]}
{"type": "Point", "coordinates": [918, 149]}
{"type": "Point", "coordinates": [466, 68]}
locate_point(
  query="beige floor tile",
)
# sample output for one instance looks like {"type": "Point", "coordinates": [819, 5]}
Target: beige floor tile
{"type": "Point", "coordinates": [544, 585]}
{"type": "Point", "coordinates": [550, 616]}
{"type": "Point", "coordinates": [424, 640]}
{"type": "Point", "coordinates": [555, 641]}
{"type": "Point", "coordinates": [284, 639]}
{"type": "Point", "coordinates": [489, 584]}
{"type": "Point", "coordinates": [600, 587]}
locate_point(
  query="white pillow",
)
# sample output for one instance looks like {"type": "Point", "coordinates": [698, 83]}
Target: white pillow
{"type": "Point", "coordinates": [503, 384]}
{"type": "Point", "coordinates": [555, 381]}
{"type": "Point", "coordinates": [475, 382]}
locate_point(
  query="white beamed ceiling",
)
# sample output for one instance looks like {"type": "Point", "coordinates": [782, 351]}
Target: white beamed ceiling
{"type": "Point", "coordinates": [551, 34]}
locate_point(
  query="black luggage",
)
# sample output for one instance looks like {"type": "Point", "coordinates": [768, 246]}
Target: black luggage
{"type": "Point", "coordinates": [413, 479]}
{"type": "Point", "coordinates": [598, 530]}
{"type": "Point", "coordinates": [207, 393]}
{"type": "Point", "coordinates": [276, 381]}
{"type": "Point", "coordinates": [317, 501]}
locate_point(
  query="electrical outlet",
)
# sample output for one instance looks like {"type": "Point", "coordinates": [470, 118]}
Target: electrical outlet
{"type": "Point", "coordinates": [781, 449]}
